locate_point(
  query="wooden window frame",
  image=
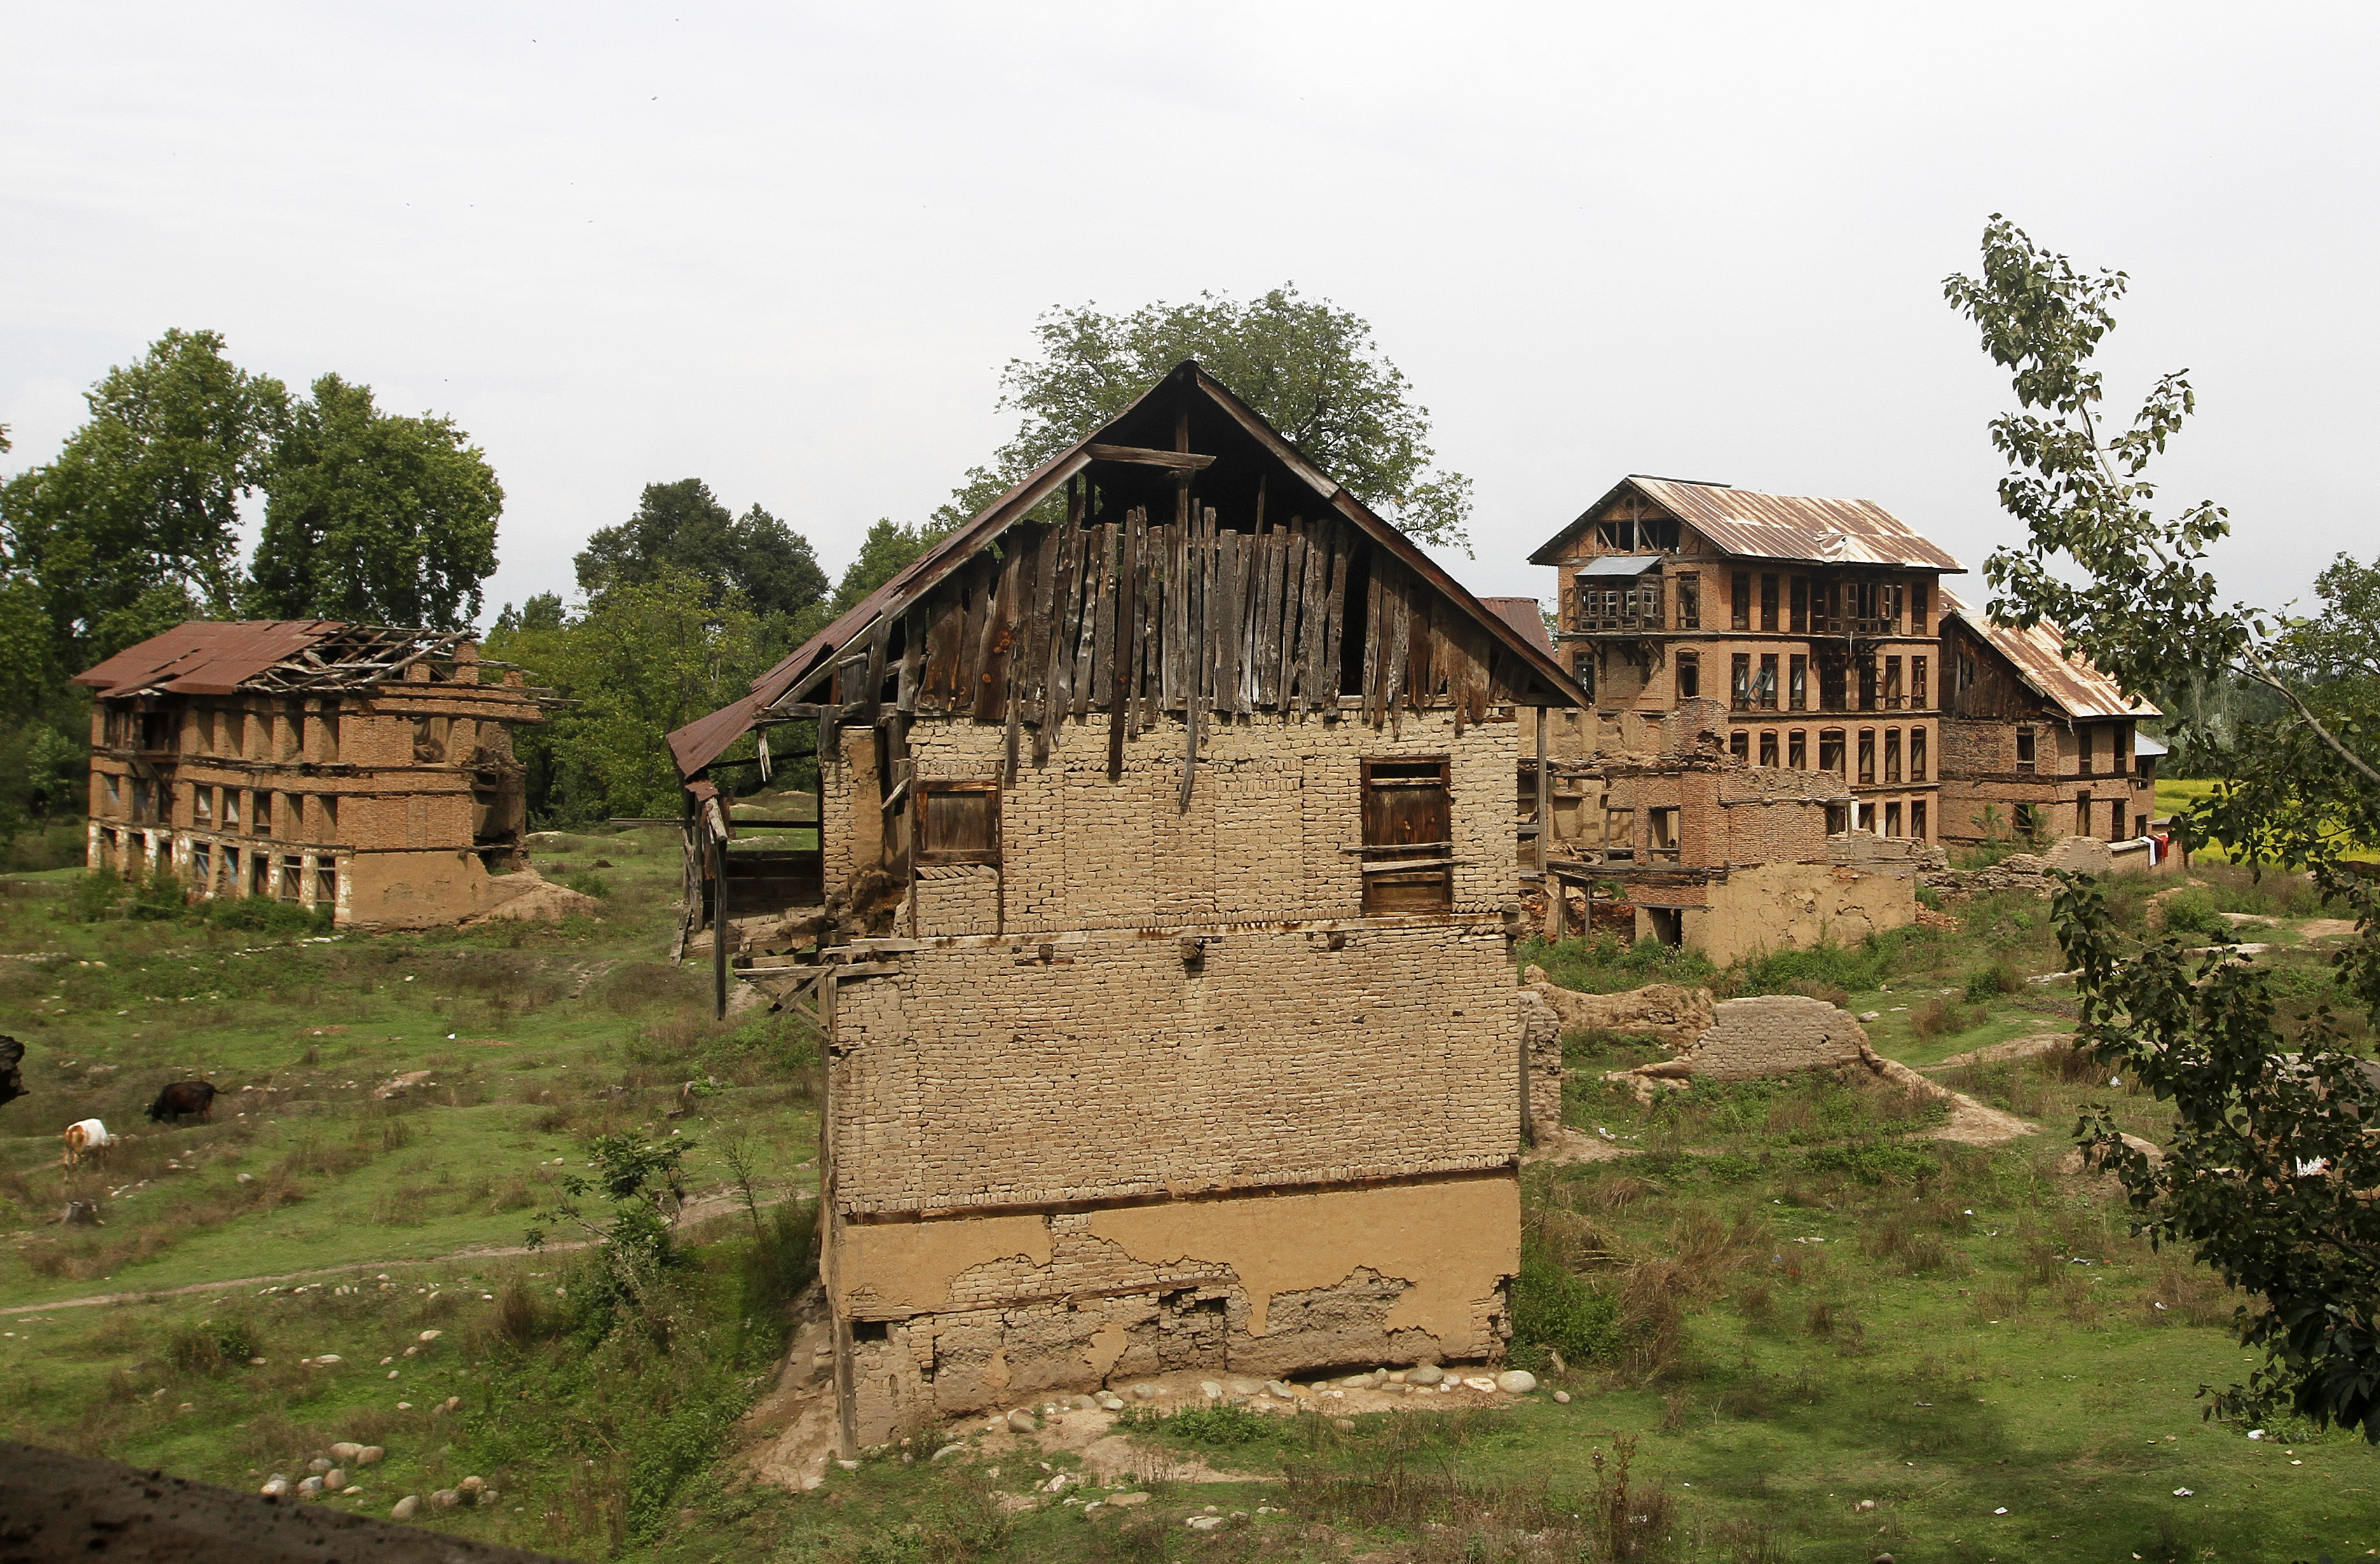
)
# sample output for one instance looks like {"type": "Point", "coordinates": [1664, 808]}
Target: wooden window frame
{"type": "Point", "coordinates": [1917, 756]}
{"type": "Point", "coordinates": [921, 790]}
{"type": "Point", "coordinates": [1797, 749]}
{"type": "Point", "coordinates": [1689, 675]}
{"type": "Point", "coordinates": [1739, 601]}
{"type": "Point", "coordinates": [1432, 863]}
{"type": "Point", "coordinates": [1690, 600]}
{"type": "Point", "coordinates": [1768, 748]}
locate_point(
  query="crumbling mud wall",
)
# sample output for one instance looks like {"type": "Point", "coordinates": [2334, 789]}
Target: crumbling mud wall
{"type": "Point", "coordinates": [1779, 906]}
{"type": "Point", "coordinates": [1055, 1160]}
{"type": "Point", "coordinates": [1541, 1055]}
{"type": "Point", "coordinates": [973, 1312]}
{"type": "Point", "coordinates": [1673, 1015]}
{"type": "Point", "coordinates": [1756, 1039]}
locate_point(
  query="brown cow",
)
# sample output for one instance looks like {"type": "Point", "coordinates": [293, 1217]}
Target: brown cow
{"type": "Point", "coordinates": [182, 1100]}
{"type": "Point", "coordinates": [12, 1076]}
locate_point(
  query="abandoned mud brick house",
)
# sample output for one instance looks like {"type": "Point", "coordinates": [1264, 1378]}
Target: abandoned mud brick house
{"type": "Point", "coordinates": [1160, 936]}
{"type": "Point", "coordinates": [2035, 741]}
{"type": "Point", "coordinates": [1812, 619]}
{"type": "Point", "coordinates": [369, 770]}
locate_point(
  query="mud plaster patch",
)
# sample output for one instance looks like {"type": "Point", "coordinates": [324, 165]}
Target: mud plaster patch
{"type": "Point", "coordinates": [1299, 1243]}
{"type": "Point", "coordinates": [908, 1267]}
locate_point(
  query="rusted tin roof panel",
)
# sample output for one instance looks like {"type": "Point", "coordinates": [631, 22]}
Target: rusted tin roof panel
{"type": "Point", "coordinates": [1524, 615]}
{"type": "Point", "coordinates": [205, 657]}
{"type": "Point", "coordinates": [2039, 655]}
{"type": "Point", "coordinates": [1779, 526]}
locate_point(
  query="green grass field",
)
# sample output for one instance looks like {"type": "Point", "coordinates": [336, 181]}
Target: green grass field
{"type": "Point", "coordinates": [1784, 1303]}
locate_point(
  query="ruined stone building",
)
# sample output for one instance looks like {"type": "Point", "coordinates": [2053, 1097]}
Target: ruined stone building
{"type": "Point", "coordinates": [2035, 741]}
{"type": "Point", "coordinates": [1164, 894]}
{"type": "Point", "coordinates": [364, 770]}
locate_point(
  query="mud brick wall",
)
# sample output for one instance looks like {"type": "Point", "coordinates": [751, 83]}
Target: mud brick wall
{"type": "Point", "coordinates": [1275, 802]}
{"type": "Point", "coordinates": [981, 1077]}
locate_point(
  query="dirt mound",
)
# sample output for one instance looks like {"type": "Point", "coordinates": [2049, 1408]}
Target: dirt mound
{"type": "Point", "coordinates": [530, 897]}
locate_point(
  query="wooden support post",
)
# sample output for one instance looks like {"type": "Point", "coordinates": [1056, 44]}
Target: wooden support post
{"type": "Point", "coordinates": [1545, 800]}
{"type": "Point", "coordinates": [718, 930]}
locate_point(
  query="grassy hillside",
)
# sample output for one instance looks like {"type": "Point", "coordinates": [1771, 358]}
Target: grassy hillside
{"type": "Point", "coordinates": [1778, 1303]}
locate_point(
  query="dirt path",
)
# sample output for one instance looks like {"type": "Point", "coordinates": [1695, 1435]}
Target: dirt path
{"type": "Point", "coordinates": [701, 1208]}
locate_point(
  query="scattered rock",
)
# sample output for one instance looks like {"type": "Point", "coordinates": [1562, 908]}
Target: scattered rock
{"type": "Point", "coordinates": [430, 1336]}
{"type": "Point", "coordinates": [1110, 1401]}
{"type": "Point", "coordinates": [2077, 1162]}
{"type": "Point", "coordinates": [320, 1464]}
{"type": "Point", "coordinates": [1428, 1374]}
{"type": "Point", "coordinates": [1128, 1499]}
{"type": "Point", "coordinates": [310, 1488]}
{"type": "Point", "coordinates": [346, 1450]}
{"type": "Point", "coordinates": [1345, 1425]}
{"type": "Point", "coordinates": [1562, 1398]}
{"type": "Point", "coordinates": [1868, 1015]}
{"type": "Point", "coordinates": [1480, 1382]}
{"type": "Point", "coordinates": [954, 1448]}
{"type": "Point", "coordinates": [1144, 1392]}
{"type": "Point", "coordinates": [335, 1479]}
{"type": "Point", "coordinates": [328, 1359]}
{"type": "Point", "coordinates": [370, 1455]}
{"type": "Point", "coordinates": [1516, 1382]}
{"type": "Point", "coordinates": [470, 1485]}
{"type": "Point", "coordinates": [1203, 1522]}
{"type": "Point", "coordinates": [405, 1509]}
{"type": "Point", "coordinates": [1023, 1422]}
{"type": "Point", "coordinates": [450, 1404]}
{"type": "Point", "coordinates": [81, 1214]}
{"type": "Point", "coordinates": [275, 1486]}
{"type": "Point", "coordinates": [445, 1499]}
{"type": "Point", "coordinates": [1210, 1389]}
{"type": "Point", "coordinates": [1864, 1505]}
{"type": "Point", "coordinates": [1280, 1390]}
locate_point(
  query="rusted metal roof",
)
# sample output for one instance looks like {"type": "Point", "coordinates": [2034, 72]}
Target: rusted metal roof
{"type": "Point", "coordinates": [1524, 614]}
{"type": "Point", "coordinates": [223, 656]}
{"type": "Point", "coordinates": [704, 740]}
{"type": "Point", "coordinates": [1782, 527]}
{"type": "Point", "coordinates": [2039, 658]}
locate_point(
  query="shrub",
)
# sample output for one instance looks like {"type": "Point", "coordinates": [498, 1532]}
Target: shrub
{"type": "Point", "coordinates": [1992, 982]}
{"type": "Point", "coordinates": [210, 1346]}
{"type": "Point", "coordinates": [1220, 1424]}
{"type": "Point", "coordinates": [1933, 1019]}
{"type": "Point", "coordinates": [95, 896]}
{"type": "Point", "coordinates": [586, 882]}
{"type": "Point", "coordinates": [1831, 967]}
{"type": "Point", "coordinates": [264, 915]}
{"type": "Point", "coordinates": [1555, 1311]}
{"type": "Point", "coordinates": [2192, 912]}
{"type": "Point", "coordinates": [1608, 965]}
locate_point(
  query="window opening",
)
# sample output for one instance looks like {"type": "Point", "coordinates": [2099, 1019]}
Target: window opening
{"type": "Point", "coordinates": [1917, 755]}
{"type": "Point", "coordinates": [1739, 681]}
{"type": "Point", "coordinates": [1867, 757]}
{"type": "Point", "coordinates": [1738, 743]}
{"type": "Point", "coordinates": [1689, 675]}
{"type": "Point", "coordinates": [1892, 696]}
{"type": "Point", "coordinates": [2082, 759]}
{"type": "Point", "coordinates": [1830, 750]}
{"type": "Point", "coordinates": [1690, 601]}
{"type": "Point", "coordinates": [1797, 682]}
{"type": "Point", "coordinates": [1766, 690]}
{"type": "Point", "coordinates": [1893, 819]}
{"type": "Point", "coordinates": [1767, 601]}
{"type": "Point", "coordinates": [1768, 748]}
{"type": "Point", "coordinates": [2024, 749]}
{"type": "Point", "coordinates": [1917, 818]}
{"type": "Point", "coordinates": [1799, 621]}
{"type": "Point", "coordinates": [1739, 616]}
{"type": "Point", "coordinates": [1664, 842]}
{"type": "Point", "coordinates": [1797, 749]}
{"type": "Point", "coordinates": [1892, 755]}
{"type": "Point", "coordinates": [1917, 684]}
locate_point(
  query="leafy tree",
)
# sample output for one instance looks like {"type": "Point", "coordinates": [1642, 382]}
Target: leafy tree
{"type": "Point", "coordinates": [886, 552]}
{"type": "Point", "coordinates": [683, 526]}
{"type": "Point", "coordinates": [540, 611]}
{"type": "Point", "coordinates": [373, 517]}
{"type": "Point", "coordinates": [639, 660]}
{"type": "Point", "coordinates": [638, 1180]}
{"type": "Point", "coordinates": [133, 525]}
{"type": "Point", "coordinates": [1310, 368]}
{"type": "Point", "coordinates": [2272, 1153]}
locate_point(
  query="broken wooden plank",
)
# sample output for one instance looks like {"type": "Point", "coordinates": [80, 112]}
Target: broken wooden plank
{"type": "Point", "coordinates": [1140, 455]}
{"type": "Point", "coordinates": [1127, 613]}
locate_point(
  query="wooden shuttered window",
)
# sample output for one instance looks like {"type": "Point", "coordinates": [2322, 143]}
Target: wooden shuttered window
{"type": "Point", "coordinates": [958, 822]}
{"type": "Point", "coordinates": [1408, 856]}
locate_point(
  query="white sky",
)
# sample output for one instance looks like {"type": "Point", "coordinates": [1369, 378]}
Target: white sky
{"type": "Point", "coordinates": [788, 248]}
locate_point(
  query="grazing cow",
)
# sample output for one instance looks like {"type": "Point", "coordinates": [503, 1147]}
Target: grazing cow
{"type": "Point", "coordinates": [86, 1139]}
{"type": "Point", "coordinates": [12, 1077]}
{"type": "Point", "coordinates": [183, 1099]}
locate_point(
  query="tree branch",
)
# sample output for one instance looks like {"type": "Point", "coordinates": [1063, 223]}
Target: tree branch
{"type": "Point", "coordinates": [2263, 672]}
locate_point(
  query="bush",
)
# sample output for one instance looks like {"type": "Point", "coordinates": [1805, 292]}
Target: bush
{"type": "Point", "coordinates": [1607, 964]}
{"type": "Point", "coordinates": [264, 915]}
{"type": "Point", "coordinates": [1887, 1162]}
{"type": "Point", "coordinates": [211, 1346]}
{"type": "Point", "coordinates": [1932, 1018]}
{"type": "Point", "coordinates": [586, 882]}
{"type": "Point", "coordinates": [1992, 982]}
{"type": "Point", "coordinates": [96, 895]}
{"type": "Point", "coordinates": [1821, 971]}
{"type": "Point", "coordinates": [2193, 912]}
{"type": "Point", "coordinates": [1555, 1311]}
{"type": "Point", "coordinates": [1218, 1425]}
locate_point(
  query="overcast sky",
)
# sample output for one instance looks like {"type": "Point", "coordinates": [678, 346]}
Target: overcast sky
{"type": "Point", "coordinates": [787, 250]}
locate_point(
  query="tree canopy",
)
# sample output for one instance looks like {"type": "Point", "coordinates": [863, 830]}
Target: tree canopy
{"type": "Point", "coordinates": [135, 525]}
{"type": "Point", "coordinates": [1309, 367]}
{"type": "Point", "coordinates": [2273, 1152]}
{"type": "Point", "coordinates": [373, 516]}
{"type": "Point", "coordinates": [683, 526]}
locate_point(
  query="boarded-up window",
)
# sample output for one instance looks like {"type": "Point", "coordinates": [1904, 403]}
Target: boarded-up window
{"type": "Point", "coordinates": [958, 823]}
{"type": "Point", "coordinates": [1408, 837]}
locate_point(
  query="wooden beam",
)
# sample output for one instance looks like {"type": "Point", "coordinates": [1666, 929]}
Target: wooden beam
{"type": "Point", "coordinates": [1180, 461]}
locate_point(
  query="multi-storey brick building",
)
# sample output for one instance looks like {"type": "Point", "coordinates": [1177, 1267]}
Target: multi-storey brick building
{"type": "Point", "coordinates": [329, 765]}
{"type": "Point", "coordinates": [2036, 742]}
{"type": "Point", "coordinates": [1167, 834]}
{"type": "Point", "coordinates": [1815, 620]}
